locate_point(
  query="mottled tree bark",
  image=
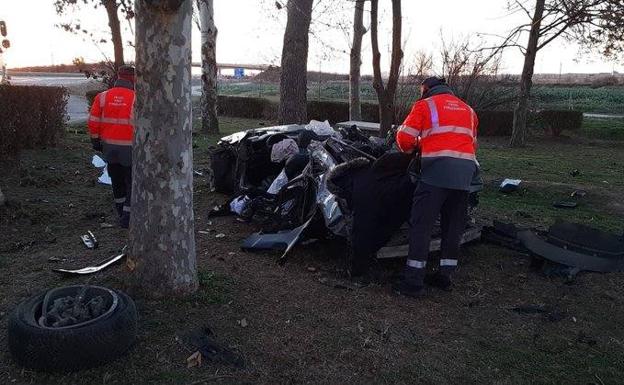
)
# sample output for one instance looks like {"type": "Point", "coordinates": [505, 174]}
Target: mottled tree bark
{"type": "Point", "coordinates": [385, 94]}
{"type": "Point", "coordinates": [162, 242]}
{"type": "Point", "coordinates": [293, 78]}
{"type": "Point", "coordinates": [113, 22]}
{"type": "Point", "coordinates": [210, 122]}
{"type": "Point", "coordinates": [518, 135]}
{"type": "Point", "coordinates": [355, 106]}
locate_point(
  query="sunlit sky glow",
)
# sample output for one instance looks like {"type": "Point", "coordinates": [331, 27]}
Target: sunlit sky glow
{"type": "Point", "coordinates": [251, 31]}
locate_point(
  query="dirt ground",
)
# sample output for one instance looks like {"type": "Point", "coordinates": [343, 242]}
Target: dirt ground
{"type": "Point", "coordinates": [304, 323]}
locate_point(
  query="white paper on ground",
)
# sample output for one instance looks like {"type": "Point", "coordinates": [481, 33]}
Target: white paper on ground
{"type": "Point", "coordinates": [105, 178]}
{"type": "Point", "coordinates": [100, 163]}
{"type": "Point", "coordinates": [514, 182]}
{"type": "Point", "coordinates": [238, 204]}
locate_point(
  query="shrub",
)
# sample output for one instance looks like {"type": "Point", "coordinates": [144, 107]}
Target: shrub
{"type": "Point", "coordinates": [90, 95]}
{"type": "Point", "coordinates": [30, 117]}
{"type": "Point", "coordinates": [495, 123]}
{"type": "Point", "coordinates": [555, 121]}
{"type": "Point", "coordinates": [250, 108]}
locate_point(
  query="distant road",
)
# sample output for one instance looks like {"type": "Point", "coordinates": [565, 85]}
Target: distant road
{"type": "Point", "coordinates": [603, 116]}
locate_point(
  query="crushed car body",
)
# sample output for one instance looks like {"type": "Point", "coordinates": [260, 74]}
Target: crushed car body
{"type": "Point", "coordinates": [338, 182]}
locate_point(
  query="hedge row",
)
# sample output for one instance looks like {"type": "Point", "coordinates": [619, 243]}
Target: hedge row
{"type": "Point", "coordinates": [30, 117]}
{"type": "Point", "coordinates": [491, 123]}
{"type": "Point", "coordinates": [555, 121]}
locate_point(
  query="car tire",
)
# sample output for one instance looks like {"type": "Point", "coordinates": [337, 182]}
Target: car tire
{"type": "Point", "coordinates": [70, 349]}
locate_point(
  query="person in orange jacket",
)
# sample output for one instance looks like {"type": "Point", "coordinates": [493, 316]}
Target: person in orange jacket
{"type": "Point", "coordinates": [444, 129]}
{"type": "Point", "coordinates": [111, 130]}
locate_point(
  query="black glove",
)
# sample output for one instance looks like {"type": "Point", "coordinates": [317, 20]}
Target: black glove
{"type": "Point", "coordinates": [97, 144]}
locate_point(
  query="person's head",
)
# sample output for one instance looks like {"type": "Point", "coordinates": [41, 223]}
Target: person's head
{"type": "Point", "coordinates": [430, 83]}
{"type": "Point", "coordinates": [126, 73]}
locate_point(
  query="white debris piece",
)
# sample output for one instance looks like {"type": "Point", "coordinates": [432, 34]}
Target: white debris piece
{"type": "Point", "coordinates": [513, 182]}
{"type": "Point", "coordinates": [278, 183]}
{"type": "Point", "coordinates": [237, 205]}
{"type": "Point", "coordinates": [321, 128]}
{"type": "Point", "coordinates": [100, 163]}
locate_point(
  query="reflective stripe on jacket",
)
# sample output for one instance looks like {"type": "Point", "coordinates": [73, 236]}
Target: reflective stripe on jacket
{"type": "Point", "coordinates": [442, 126]}
{"type": "Point", "coordinates": [110, 119]}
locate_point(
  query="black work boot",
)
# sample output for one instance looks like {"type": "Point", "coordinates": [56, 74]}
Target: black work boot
{"type": "Point", "coordinates": [439, 281]}
{"type": "Point", "coordinates": [124, 220]}
{"type": "Point", "coordinates": [408, 289]}
{"type": "Point", "coordinates": [119, 208]}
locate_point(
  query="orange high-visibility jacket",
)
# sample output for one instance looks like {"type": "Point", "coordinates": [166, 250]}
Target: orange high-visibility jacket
{"type": "Point", "coordinates": [110, 120]}
{"type": "Point", "coordinates": [442, 126]}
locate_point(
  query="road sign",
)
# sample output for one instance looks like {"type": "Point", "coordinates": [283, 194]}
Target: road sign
{"type": "Point", "coordinates": [239, 73]}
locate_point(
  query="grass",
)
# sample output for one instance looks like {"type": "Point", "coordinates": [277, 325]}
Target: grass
{"type": "Point", "coordinates": [608, 100]}
{"type": "Point", "coordinates": [606, 129]}
{"type": "Point", "coordinates": [213, 288]}
{"type": "Point", "coordinates": [547, 178]}
{"type": "Point", "coordinates": [301, 331]}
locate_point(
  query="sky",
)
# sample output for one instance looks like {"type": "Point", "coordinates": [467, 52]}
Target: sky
{"type": "Point", "coordinates": [251, 32]}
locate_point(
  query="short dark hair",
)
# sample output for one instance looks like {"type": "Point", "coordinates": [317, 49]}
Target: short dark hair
{"type": "Point", "coordinates": [433, 81]}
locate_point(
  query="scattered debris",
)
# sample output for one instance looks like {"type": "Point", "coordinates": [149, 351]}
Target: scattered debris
{"type": "Point", "coordinates": [575, 172]}
{"type": "Point", "coordinates": [552, 315]}
{"type": "Point", "coordinates": [56, 259]}
{"type": "Point", "coordinates": [203, 232]}
{"type": "Point", "coordinates": [312, 269]}
{"type": "Point", "coordinates": [578, 194]}
{"type": "Point", "coordinates": [89, 240]}
{"type": "Point", "coordinates": [565, 205]}
{"type": "Point", "coordinates": [101, 164]}
{"type": "Point", "coordinates": [194, 360]}
{"type": "Point", "coordinates": [93, 269]}
{"type": "Point", "coordinates": [106, 226]}
{"type": "Point", "coordinates": [68, 310]}
{"type": "Point", "coordinates": [204, 341]}
{"type": "Point", "coordinates": [243, 323]}
{"type": "Point", "coordinates": [220, 235]}
{"type": "Point", "coordinates": [510, 185]}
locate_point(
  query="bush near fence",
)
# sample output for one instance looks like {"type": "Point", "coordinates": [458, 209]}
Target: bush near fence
{"type": "Point", "coordinates": [31, 117]}
{"type": "Point", "coordinates": [492, 123]}
{"type": "Point", "coordinates": [555, 121]}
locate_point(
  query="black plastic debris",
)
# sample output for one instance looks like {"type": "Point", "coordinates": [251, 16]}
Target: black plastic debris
{"type": "Point", "coordinates": [212, 350]}
{"type": "Point", "coordinates": [565, 205]}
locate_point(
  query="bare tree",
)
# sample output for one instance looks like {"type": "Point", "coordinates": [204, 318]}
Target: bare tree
{"type": "Point", "coordinates": [65, 7]}
{"type": "Point", "coordinates": [473, 74]}
{"type": "Point", "coordinates": [355, 106]}
{"type": "Point", "coordinates": [210, 122]}
{"type": "Point", "coordinates": [162, 241]}
{"type": "Point", "coordinates": [385, 94]}
{"type": "Point", "coordinates": [293, 77]}
{"type": "Point", "coordinates": [596, 24]}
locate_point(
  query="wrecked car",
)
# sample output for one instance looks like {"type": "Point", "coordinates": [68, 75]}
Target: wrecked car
{"type": "Point", "coordinates": [316, 181]}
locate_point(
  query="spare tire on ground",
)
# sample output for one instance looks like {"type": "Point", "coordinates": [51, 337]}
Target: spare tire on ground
{"type": "Point", "coordinates": [35, 344]}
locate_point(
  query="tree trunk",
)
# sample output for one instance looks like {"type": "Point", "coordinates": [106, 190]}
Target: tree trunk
{"type": "Point", "coordinates": [113, 22]}
{"type": "Point", "coordinates": [162, 242]}
{"type": "Point", "coordinates": [355, 106]}
{"type": "Point", "coordinates": [210, 122]}
{"type": "Point", "coordinates": [518, 135]}
{"type": "Point", "coordinates": [293, 78]}
{"type": "Point", "coordinates": [385, 95]}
